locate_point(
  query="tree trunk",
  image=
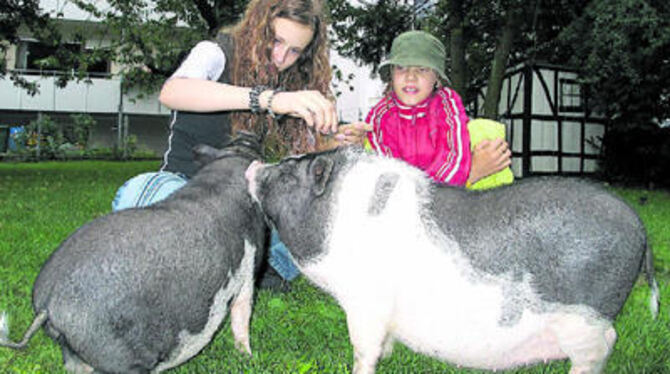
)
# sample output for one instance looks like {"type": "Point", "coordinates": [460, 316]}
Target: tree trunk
{"type": "Point", "coordinates": [459, 71]}
{"type": "Point", "coordinates": [500, 57]}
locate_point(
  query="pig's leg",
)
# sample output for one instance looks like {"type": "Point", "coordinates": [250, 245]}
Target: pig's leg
{"type": "Point", "coordinates": [368, 333]}
{"type": "Point", "coordinates": [587, 342]}
{"type": "Point", "coordinates": [240, 314]}
{"type": "Point", "coordinates": [594, 357]}
{"type": "Point", "coordinates": [387, 346]}
{"type": "Point", "coordinates": [73, 364]}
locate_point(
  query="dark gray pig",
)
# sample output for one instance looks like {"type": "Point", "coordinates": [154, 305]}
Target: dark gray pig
{"type": "Point", "coordinates": [531, 272]}
{"type": "Point", "coordinates": [145, 289]}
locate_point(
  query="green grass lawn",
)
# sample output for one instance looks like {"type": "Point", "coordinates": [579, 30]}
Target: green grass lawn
{"type": "Point", "coordinates": [302, 331]}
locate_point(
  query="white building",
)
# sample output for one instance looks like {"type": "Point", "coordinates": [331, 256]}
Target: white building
{"type": "Point", "coordinates": [549, 126]}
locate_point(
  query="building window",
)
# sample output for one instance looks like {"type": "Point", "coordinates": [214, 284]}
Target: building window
{"type": "Point", "coordinates": [33, 57]}
{"type": "Point", "coordinates": [571, 96]}
{"type": "Point", "coordinates": [99, 62]}
{"type": "Point", "coordinates": [30, 55]}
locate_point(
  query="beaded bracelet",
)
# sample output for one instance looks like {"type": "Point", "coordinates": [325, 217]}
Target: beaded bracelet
{"type": "Point", "coordinates": [253, 98]}
{"type": "Point", "coordinates": [272, 96]}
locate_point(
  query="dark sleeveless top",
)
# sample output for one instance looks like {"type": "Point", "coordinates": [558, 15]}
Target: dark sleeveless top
{"type": "Point", "coordinates": [188, 129]}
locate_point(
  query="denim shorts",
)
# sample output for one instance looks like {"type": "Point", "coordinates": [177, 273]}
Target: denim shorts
{"type": "Point", "coordinates": [146, 189]}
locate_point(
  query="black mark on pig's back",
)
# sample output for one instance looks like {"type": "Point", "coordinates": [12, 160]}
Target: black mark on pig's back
{"type": "Point", "coordinates": [383, 188]}
{"type": "Point", "coordinates": [578, 243]}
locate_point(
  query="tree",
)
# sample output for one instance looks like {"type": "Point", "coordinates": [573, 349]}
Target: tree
{"type": "Point", "coordinates": [483, 38]}
{"type": "Point", "coordinates": [148, 44]}
{"type": "Point", "coordinates": [511, 17]}
{"type": "Point", "coordinates": [486, 38]}
{"type": "Point", "coordinates": [365, 33]}
{"type": "Point", "coordinates": [623, 47]}
{"type": "Point", "coordinates": [17, 13]}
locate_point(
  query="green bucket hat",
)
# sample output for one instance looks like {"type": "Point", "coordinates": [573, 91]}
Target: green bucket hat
{"type": "Point", "coordinates": [417, 48]}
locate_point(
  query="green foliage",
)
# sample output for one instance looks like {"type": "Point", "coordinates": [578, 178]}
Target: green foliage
{"type": "Point", "coordinates": [46, 139]}
{"type": "Point", "coordinates": [623, 48]}
{"type": "Point", "coordinates": [16, 14]}
{"type": "Point", "coordinates": [365, 33]}
{"type": "Point", "coordinates": [636, 156]}
{"type": "Point", "coordinates": [147, 45]}
{"type": "Point", "coordinates": [82, 123]}
{"type": "Point", "coordinates": [41, 138]}
{"type": "Point", "coordinates": [535, 28]}
{"type": "Point", "coordinates": [654, 209]}
{"type": "Point", "coordinates": [303, 331]}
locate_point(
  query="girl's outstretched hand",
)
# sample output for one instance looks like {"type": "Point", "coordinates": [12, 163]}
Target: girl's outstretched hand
{"type": "Point", "coordinates": [311, 106]}
{"type": "Point", "coordinates": [352, 133]}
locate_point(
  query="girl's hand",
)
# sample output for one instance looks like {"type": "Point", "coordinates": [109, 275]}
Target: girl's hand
{"type": "Point", "coordinates": [352, 133]}
{"type": "Point", "coordinates": [311, 106]}
{"type": "Point", "coordinates": [489, 157]}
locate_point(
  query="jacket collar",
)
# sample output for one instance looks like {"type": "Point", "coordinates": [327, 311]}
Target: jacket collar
{"type": "Point", "coordinates": [410, 112]}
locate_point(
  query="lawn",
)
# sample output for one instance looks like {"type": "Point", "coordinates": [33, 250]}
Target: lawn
{"type": "Point", "coordinates": [302, 331]}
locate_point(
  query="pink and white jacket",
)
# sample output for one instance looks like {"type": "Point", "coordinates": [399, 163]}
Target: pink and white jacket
{"type": "Point", "coordinates": [432, 135]}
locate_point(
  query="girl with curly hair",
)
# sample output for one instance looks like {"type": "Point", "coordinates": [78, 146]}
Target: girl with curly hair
{"type": "Point", "coordinates": [274, 60]}
{"type": "Point", "coordinates": [268, 74]}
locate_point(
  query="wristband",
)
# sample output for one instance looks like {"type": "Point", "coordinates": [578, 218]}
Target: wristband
{"type": "Point", "coordinates": [253, 98]}
{"type": "Point", "coordinates": [272, 96]}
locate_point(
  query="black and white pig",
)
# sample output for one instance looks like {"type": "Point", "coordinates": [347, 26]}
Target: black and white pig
{"type": "Point", "coordinates": [531, 272]}
{"type": "Point", "coordinates": [144, 289]}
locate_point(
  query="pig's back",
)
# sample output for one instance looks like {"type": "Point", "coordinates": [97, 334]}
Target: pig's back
{"type": "Point", "coordinates": [580, 244]}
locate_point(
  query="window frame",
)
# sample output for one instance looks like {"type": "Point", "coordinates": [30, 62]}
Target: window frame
{"type": "Point", "coordinates": [569, 100]}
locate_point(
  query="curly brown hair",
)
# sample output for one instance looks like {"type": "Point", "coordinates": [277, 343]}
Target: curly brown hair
{"type": "Point", "coordinates": [252, 65]}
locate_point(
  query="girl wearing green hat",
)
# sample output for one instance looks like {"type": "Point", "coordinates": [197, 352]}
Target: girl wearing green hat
{"type": "Point", "coordinates": [424, 122]}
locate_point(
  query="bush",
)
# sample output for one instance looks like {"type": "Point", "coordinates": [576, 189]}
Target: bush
{"type": "Point", "coordinates": [39, 139]}
{"type": "Point", "coordinates": [45, 139]}
{"type": "Point", "coordinates": [637, 156]}
{"type": "Point", "coordinates": [68, 141]}
{"type": "Point", "coordinates": [81, 128]}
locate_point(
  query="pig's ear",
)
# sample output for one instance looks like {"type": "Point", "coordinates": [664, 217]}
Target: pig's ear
{"type": "Point", "coordinates": [204, 154]}
{"type": "Point", "coordinates": [320, 171]}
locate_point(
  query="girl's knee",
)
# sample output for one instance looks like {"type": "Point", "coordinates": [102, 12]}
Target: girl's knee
{"type": "Point", "coordinates": [146, 189]}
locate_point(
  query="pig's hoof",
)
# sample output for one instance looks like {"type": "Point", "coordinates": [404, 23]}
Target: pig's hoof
{"type": "Point", "coordinates": [387, 348]}
{"type": "Point", "coordinates": [243, 348]}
